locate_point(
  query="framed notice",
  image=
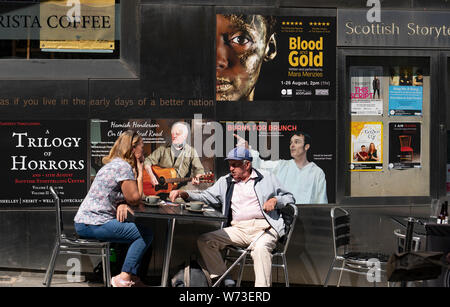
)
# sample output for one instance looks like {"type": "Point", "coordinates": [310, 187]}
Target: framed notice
{"type": "Point", "coordinates": [366, 90]}
{"type": "Point", "coordinates": [404, 145]}
{"type": "Point", "coordinates": [275, 57]}
{"type": "Point", "coordinates": [405, 91]}
{"type": "Point", "coordinates": [40, 154]}
{"type": "Point", "coordinates": [366, 152]}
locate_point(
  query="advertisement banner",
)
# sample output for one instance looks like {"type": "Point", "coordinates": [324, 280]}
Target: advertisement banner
{"type": "Point", "coordinates": [405, 91]}
{"type": "Point", "coordinates": [275, 57]}
{"type": "Point", "coordinates": [40, 154]}
{"type": "Point", "coordinates": [366, 146]}
{"type": "Point", "coordinates": [301, 153]}
{"type": "Point", "coordinates": [173, 148]}
{"type": "Point", "coordinates": [83, 24]}
{"type": "Point", "coordinates": [366, 96]}
{"type": "Point", "coordinates": [404, 145]}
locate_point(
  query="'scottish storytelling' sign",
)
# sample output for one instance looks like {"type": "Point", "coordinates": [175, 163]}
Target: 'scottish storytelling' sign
{"type": "Point", "coordinates": [397, 28]}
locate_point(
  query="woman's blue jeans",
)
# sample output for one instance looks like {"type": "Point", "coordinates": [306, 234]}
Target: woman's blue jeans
{"type": "Point", "coordinates": [117, 232]}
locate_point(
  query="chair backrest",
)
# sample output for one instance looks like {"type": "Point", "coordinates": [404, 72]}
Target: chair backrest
{"type": "Point", "coordinates": [59, 222]}
{"type": "Point", "coordinates": [340, 224]}
{"type": "Point", "coordinates": [401, 241]}
{"type": "Point", "coordinates": [289, 215]}
{"type": "Point", "coordinates": [405, 140]}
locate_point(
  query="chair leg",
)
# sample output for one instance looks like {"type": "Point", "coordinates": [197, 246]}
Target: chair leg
{"type": "Point", "coordinates": [241, 271]}
{"type": "Point", "coordinates": [286, 276]}
{"type": "Point", "coordinates": [340, 274]}
{"type": "Point", "coordinates": [330, 270]}
{"type": "Point", "coordinates": [51, 265]}
{"type": "Point", "coordinates": [106, 267]}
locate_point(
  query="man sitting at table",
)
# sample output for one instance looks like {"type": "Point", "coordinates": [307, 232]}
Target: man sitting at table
{"type": "Point", "coordinates": [249, 198]}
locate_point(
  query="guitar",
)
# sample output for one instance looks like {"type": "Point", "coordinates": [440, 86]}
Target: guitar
{"type": "Point", "coordinates": [168, 181]}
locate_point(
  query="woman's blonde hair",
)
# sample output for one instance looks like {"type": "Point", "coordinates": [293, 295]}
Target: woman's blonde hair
{"type": "Point", "coordinates": [123, 148]}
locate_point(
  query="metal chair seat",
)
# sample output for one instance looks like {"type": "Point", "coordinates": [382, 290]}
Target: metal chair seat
{"type": "Point", "coordinates": [74, 239]}
{"type": "Point", "coordinates": [355, 262]}
{"type": "Point", "coordinates": [72, 244]}
{"type": "Point", "coordinates": [364, 256]}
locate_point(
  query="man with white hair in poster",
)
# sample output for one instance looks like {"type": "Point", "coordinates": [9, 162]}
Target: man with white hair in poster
{"type": "Point", "coordinates": [176, 154]}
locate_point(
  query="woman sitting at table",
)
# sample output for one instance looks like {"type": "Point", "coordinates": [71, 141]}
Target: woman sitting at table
{"type": "Point", "coordinates": [103, 212]}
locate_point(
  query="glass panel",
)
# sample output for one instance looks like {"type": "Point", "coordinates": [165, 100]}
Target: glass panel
{"type": "Point", "coordinates": [389, 142]}
{"type": "Point", "coordinates": [57, 29]}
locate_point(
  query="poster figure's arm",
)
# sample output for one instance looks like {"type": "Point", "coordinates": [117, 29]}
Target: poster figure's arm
{"type": "Point", "coordinates": [320, 196]}
{"type": "Point", "coordinates": [152, 159]}
{"type": "Point", "coordinates": [257, 161]}
{"type": "Point", "coordinates": [268, 165]}
{"type": "Point", "coordinates": [197, 168]}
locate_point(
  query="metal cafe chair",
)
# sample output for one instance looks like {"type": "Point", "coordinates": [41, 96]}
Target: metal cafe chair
{"type": "Point", "coordinates": [355, 262]}
{"type": "Point", "coordinates": [73, 245]}
{"type": "Point", "coordinates": [401, 245]}
{"type": "Point", "coordinates": [401, 241]}
{"type": "Point", "coordinates": [239, 255]}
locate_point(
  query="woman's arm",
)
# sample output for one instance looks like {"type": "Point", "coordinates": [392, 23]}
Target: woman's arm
{"type": "Point", "coordinates": [133, 189]}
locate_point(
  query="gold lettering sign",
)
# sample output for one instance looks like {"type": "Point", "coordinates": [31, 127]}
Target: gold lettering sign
{"type": "Point", "coordinates": [77, 24]}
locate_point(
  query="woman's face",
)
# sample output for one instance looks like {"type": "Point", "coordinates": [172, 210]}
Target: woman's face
{"type": "Point", "coordinates": [139, 150]}
{"type": "Point", "coordinates": [372, 147]}
{"type": "Point", "coordinates": [240, 50]}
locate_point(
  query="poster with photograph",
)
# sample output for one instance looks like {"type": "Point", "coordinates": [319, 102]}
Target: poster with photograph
{"type": "Point", "coordinates": [405, 91]}
{"type": "Point", "coordinates": [173, 148]}
{"type": "Point", "coordinates": [300, 153]}
{"type": "Point", "coordinates": [366, 152]}
{"type": "Point", "coordinates": [404, 145]}
{"type": "Point", "coordinates": [275, 57]}
{"type": "Point", "coordinates": [40, 154]}
{"type": "Point", "coordinates": [366, 95]}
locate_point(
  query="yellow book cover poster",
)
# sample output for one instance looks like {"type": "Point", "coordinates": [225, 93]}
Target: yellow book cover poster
{"type": "Point", "coordinates": [77, 24]}
{"type": "Point", "coordinates": [366, 152]}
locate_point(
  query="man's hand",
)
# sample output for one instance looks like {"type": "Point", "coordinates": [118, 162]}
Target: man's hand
{"type": "Point", "coordinates": [241, 142]}
{"type": "Point", "coordinates": [196, 180]}
{"type": "Point", "coordinates": [270, 204]}
{"type": "Point", "coordinates": [177, 193]}
{"type": "Point", "coordinates": [122, 212]}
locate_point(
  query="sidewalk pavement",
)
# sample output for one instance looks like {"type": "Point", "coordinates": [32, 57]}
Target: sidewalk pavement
{"type": "Point", "coordinates": [35, 279]}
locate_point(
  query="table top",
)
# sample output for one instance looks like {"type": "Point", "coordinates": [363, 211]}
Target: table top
{"type": "Point", "coordinates": [170, 211]}
{"type": "Point", "coordinates": [422, 226]}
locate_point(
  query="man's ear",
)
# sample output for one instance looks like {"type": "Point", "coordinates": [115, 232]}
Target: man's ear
{"type": "Point", "coordinates": [307, 147]}
{"type": "Point", "coordinates": [271, 49]}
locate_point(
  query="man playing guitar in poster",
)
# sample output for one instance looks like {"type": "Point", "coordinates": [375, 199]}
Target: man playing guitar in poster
{"type": "Point", "coordinates": [178, 158]}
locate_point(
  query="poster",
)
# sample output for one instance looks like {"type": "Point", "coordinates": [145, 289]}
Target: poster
{"type": "Point", "coordinates": [39, 154]}
{"type": "Point", "coordinates": [404, 145]}
{"type": "Point", "coordinates": [405, 91]}
{"type": "Point", "coordinates": [366, 96]}
{"type": "Point", "coordinates": [366, 152]}
{"type": "Point", "coordinates": [274, 57]}
{"type": "Point", "coordinates": [272, 148]}
{"type": "Point", "coordinates": [77, 25]}
{"type": "Point", "coordinates": [158, 136]}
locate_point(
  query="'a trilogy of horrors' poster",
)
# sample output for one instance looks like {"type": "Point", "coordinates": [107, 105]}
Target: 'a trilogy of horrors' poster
{"type": "Point", "coordinates": [40, 154]}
